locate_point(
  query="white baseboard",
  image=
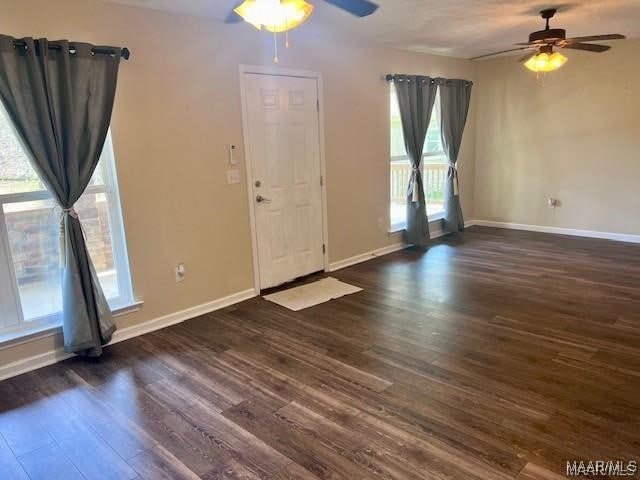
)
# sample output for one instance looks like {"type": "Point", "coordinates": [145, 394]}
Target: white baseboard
{"type": "Point", "coordinates": [469, 223]}
{"type": "Point", "coordinates": [33, 363]}
{"type": "Point", "coordinates": [620, 237]}
{"type": "Point", "coordinates": [53, 356]}
{"type": "Point", "coordinates": [181, 316]}
{"type": "Point", "coordinates": [435, 230]}
{"type": "Point", "coordinates": [363, 257]}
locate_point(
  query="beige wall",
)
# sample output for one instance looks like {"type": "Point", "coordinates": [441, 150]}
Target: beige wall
{"type": "Point", "coordinates": [177, 108]}
{"type": "Point", "coordinates": [574, 135]}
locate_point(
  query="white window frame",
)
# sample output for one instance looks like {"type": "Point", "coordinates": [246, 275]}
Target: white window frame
{"type": "Point", "coordinates": [399, 226]}
{"type": "Point", "coordinates": [10, 304]}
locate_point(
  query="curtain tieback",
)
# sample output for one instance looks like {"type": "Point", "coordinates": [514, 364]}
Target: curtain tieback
{"type": "Point", "coordinates": [63, 248]}
{"type": "Point", "coordinates": [454, 170]}
{"type": "Point", "coordinates": [414, 183]}
{"type": "Point", "coordinates": [71, 212]}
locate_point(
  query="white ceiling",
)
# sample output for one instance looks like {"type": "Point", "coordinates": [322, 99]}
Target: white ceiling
{"type": "Point", "coordinates": [460, 28]}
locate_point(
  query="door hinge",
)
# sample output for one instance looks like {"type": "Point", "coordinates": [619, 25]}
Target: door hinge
{"type": "Point", "coordinates": [318, 104]}
{"type": "Point", "coordinates": [321, 180]}
{"type": "Point", "coordinates": [324, 248]}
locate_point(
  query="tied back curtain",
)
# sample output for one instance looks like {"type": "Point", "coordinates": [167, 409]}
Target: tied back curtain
{"type": "Point", "coordinates": [416, 96]}
{"type": "Point", "coordinates": [455, 96]}
{"type": "Point", "coordinates": [60, 102]}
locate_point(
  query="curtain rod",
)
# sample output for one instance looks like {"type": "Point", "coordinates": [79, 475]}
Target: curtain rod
{"type": "Point", "coordinates": [124, 52]}
{"type": "Point", "coordinates": [389, 78]}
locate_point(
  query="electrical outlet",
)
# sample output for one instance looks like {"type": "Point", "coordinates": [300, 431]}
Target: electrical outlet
{"type": "Point", "coordinates": [380, 223]}
{"type": "Point", "coordinates": [233, 177]}
{"type": "Point", "coordinates": [181, 272]}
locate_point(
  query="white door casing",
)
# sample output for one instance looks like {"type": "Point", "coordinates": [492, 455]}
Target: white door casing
{"type": "Point", "coordinates": [282, 140]}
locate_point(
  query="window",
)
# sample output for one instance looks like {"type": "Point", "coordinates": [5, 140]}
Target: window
{"type": "Point", "coordinates": [30, 277]}
{"type": "Point", "coordinates": [434, 167]}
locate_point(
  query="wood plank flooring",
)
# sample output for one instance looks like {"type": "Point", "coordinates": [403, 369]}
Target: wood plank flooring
{"type": "Point", "coordinates": [494, 355]}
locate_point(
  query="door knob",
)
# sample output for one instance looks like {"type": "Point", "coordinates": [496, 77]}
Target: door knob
{"type": "Point", "coordinates": [261, 199]}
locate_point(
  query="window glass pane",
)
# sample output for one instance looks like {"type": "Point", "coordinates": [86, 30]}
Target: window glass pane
{"type": "Point", "coordinates": [93, 211]}
{"type": "Point", "coordinates": [16, 173]}
{"type": "Point", "coordinates": [400, 172]}
{"type": "Point", "coordinates": [433, 142]}
{"type": "Point", "coordinates": [34, 232]}
{"type": "Point", "coordinates": [98, 176]}
{"type": "Point", "coordinates": [434, 174]}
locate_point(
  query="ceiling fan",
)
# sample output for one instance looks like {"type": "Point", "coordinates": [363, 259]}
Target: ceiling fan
{"type": "Point", "coordinates": [540, 55]}
{"type": "Point", "coordinates": [278, 16]}
{"type": "Point", "coordinates": [359, 8]}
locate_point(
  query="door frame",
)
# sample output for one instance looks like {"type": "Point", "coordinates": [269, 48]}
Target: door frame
{"type": "Point", "coordinates": [281, 72]}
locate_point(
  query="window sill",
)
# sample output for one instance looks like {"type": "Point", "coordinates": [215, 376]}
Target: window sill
{"type": "Point", "coordinates": [401, 227]}
{"type": "Point", "coordinates": [398, 228]}
{"type": "Point", "coordinates": [436, 217]}
{"type": "Point", "coordinates": [26, 335]}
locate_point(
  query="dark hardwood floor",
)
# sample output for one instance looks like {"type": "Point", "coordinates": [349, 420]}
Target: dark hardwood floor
{"type": "Point", "coordinates": [494, 355]}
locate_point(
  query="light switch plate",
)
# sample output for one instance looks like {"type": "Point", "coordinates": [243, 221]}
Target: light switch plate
{"type": "Point", "coordinates": [232, 154]}
{"type": "Point", "coordinates": [233, 177]}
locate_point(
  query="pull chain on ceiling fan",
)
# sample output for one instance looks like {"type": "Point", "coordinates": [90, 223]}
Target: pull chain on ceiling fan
{"type": "Point", "coordinates": [278, 16]}
{"type": "Point", "coordinates": [542, 58]}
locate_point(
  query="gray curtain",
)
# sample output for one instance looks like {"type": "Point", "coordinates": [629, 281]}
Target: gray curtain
{"type": "Point", "coordinates": [455, 96]}
{"type": "Point", "coordinates": [60, 103]}
{"type": "Point", "coordinates": [416, 96]}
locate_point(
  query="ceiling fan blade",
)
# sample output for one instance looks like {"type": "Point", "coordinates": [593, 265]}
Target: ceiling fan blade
{"type": "Point", "coordinates": [502, 51]}
{"type": "Point", "coordinates": [596, 38]}
{"type": "Point", "coordinates": [232, 16]}
{"type": "Point", "coordinates": [359, 8]}
{"type": "Point", "coordinates": [589, 47]}
{"type": "Point", "coordinates": [527, 56]}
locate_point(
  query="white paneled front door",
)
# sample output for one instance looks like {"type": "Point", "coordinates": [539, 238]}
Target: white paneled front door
{"type": "Point", "coordinates": [283, 148]}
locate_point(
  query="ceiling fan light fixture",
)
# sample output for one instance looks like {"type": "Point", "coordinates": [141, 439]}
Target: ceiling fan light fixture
{"type": "Point", "coordinates": [546, 62]}
{"type": "Point", "coordinates": [275, 15]}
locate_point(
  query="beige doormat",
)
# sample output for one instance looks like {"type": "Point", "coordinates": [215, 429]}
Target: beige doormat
{"type": "Point", "coordinates": [314, 293]}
